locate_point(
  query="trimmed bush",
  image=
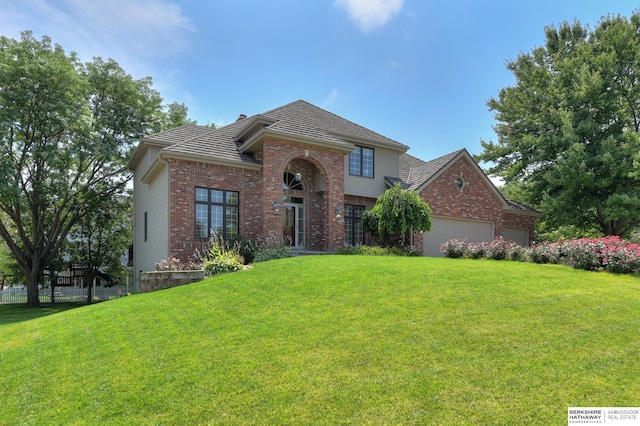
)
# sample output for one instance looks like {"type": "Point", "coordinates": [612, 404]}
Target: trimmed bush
{"type": "Point", "coordinates": [609, 253]}
{"type": "Point", "coordinates": [271, 251]}
{"type": "Point", "coordinates": [363, 250]}
{"type": "Point", "coordinates": [454, 248]}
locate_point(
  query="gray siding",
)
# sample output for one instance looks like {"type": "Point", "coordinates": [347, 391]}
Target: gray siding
{"type": "Point", "coordinates": [386, 163]}
{"type": "Point", "coordinates": [152, 198]}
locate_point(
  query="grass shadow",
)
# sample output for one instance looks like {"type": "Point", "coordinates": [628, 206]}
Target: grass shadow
{"type": "Point", "coordinates": [21, 312]}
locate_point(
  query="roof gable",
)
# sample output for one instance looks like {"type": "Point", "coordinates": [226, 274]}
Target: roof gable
{"type": "Point", "coordinates": [303, 121]}
{"type": "Point", "coordinates": [418, 174]}
{"type": "Point", "coordinates": [235, 143]}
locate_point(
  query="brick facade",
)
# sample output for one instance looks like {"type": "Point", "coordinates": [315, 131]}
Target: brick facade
{"type": "Point", "coordinates": [324, 193]}
{"type": "Point", "coordinates": [185, 176]}
{"type": "Point", "coordinates": [261, 196]}
{"type": "Point", "coordinates": [477, 201]}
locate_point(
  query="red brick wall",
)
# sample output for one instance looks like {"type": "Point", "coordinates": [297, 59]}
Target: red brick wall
{"type": "Point", "coordinates": [477, 201]}
{"type": "Point", "coordinates": [185, 176]}
{"type": "Point", "coordinates": [323, 232]}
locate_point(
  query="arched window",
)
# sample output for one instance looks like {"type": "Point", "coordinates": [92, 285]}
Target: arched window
{"type": "Point", "coordinates": [292, 181]}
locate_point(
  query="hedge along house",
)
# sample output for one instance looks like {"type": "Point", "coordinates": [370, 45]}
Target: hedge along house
{"type": "Point", "coordinates": [297, 174]}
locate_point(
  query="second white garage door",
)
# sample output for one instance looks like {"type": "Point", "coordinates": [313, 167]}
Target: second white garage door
{"type": "Point", "coordinates": [447, 229]}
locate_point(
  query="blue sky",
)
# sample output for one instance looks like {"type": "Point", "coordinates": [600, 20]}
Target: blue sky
{"type": "Point", "coordinates": [417, 71]}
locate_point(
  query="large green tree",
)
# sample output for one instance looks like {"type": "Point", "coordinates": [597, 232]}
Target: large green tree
{"type": "Point", "coordinates": [396, 212]}
{"type": "Point", "coordinates": [101, 238]}
{"type": "Point", "coordinates": [66, 130]}
{"type": "Point", "coordinates": [568, 128]}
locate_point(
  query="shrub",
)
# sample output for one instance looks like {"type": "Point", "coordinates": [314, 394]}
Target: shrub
{"type": "Point", "coordinates": [454, 248]}
{"type": "Point", "coordinates": [496, 249]}
{"type": "Point", "coordinates": [585, 254]}
{"type": "Point", "coordinates": [248, 250]}
{"type": "Point", "coordinates": [363, 250]}
{"type": "Point", "coordinates": [516, 252]}
{"type": "Point", "coordinates": [271, 251]}
{"type": "Point", "coordinates": [221, 258]}
{"type": "Point", "coordinates": [611, 253]}
{"type": "Point", "coordinates": [169, 264]}
{"type": "Point", "coordinates": [476, 250]}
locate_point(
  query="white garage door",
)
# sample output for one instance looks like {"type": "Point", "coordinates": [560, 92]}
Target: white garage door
{"type": "Point", "coordinates": [447, 229]}
{"type": "Point", "coordinates": [519, 236]}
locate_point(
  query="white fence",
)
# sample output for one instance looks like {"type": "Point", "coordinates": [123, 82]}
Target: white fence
{"type": "Point", "coordinates": [18, 294]}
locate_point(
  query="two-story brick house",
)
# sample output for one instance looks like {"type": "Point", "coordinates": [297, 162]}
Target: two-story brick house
{"type": "Point", "coordinates": [301, 174]}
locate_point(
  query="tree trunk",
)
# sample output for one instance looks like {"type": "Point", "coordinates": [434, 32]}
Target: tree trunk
{"type": "Point", "coordinates": [32, 289]}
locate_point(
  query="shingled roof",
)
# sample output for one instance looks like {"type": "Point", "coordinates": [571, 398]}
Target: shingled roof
{"type": "Point", "coordinates": [415, 172]}
{"type": "Point", "coordinates": [297, 121]}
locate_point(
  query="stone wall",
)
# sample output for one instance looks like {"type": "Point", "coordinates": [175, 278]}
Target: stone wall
{"type": "Point", "coordinates": [157, 280]}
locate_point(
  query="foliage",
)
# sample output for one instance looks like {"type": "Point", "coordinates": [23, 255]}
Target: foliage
{"type": "Point", "coordinates": [221, 257]}
{"type": "Point", "coordinates": [247, 249]}
{"type": "Point", "coordinates": [610, 253]}
{"type": "Point", "coordinates": [568, 129]}
{"type": "Point", "coordinates": [454, 248]}
{"type": "Point", "coordinates": [100, 238]}
{"type": "Point", "coordinates": [396, 212]}
{"type": "Point", "coordinates": [173, 115]}
{"type": "Point", "coordinates": [66, 131]}
{"type": "Point", "coordinates": [321, 340]}
{"type": "Point", "coordinates": [170, 264]}
{"type": "Point", "coordinates": [363, 250]}
{"type": "Point", "coordinates": [271, 251]}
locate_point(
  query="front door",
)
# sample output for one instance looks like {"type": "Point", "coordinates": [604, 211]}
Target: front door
{"type": "Point", "coordinates": [293, 222]}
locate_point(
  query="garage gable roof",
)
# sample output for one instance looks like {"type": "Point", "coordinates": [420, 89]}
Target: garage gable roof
{"type": "Point", "coordinates": [418, 174]}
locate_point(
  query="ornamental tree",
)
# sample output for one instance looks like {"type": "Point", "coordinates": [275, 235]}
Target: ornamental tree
{"type": "Point", "coordinates": [66, 130]}
{"type": "Point", "coordinates": [396, 212]}
{"type": "Point", "coordinates": [568, 128]}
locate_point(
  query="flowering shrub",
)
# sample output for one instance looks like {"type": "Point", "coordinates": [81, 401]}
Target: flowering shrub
{"type": "Point", "coordinates": [621, 257]}
{"type": "Point", "coordinates": [585, 254]}
{"type": "Point", "coordinates": [609, 253]}
{"type": "Point", "coordinates": [476, 250]}
{"type": "Point", "coordinates": [497, 249]}
{"type": "Point", "coordinates": [170, 264]}
{"type": "Point", "coordinates": [454, 248]}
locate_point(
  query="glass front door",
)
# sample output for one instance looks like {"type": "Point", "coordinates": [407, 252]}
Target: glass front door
{"type": "Point", "coordinates": [293, 224]}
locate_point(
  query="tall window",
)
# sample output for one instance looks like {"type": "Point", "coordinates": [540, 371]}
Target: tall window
{"type": "Point", "coordinates": [353, 233]}
{"type": "Point", "coordinates": [217, 211]}
{"type": "Point", "coordinates": [361, 162]}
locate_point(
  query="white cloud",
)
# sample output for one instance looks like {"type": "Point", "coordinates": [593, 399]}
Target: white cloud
{"type": "Point", "coordinates": [331, 98]}
{"type": "Point", "coordinates": [132, 32]}
{"type": "Point", "coordinates": [370, 15]}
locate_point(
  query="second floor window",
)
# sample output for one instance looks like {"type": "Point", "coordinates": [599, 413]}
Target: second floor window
{"type": "Point", "coordinates": [217, 212]}
{"type": "Point", "coordinates": [361, 162]}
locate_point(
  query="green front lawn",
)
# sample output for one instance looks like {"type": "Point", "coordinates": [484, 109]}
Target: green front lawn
{"type": "Point", "coordinates": [335, 340]}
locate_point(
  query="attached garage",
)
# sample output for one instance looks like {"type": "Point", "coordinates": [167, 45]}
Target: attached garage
{"type": "Point", "coordinates": [447, 229]}
{"type": "Point", "coordinates": [519, 236]}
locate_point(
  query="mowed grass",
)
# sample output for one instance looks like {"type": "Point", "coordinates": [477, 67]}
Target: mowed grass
{"type": "Point", "coordinates": [335, 340]}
